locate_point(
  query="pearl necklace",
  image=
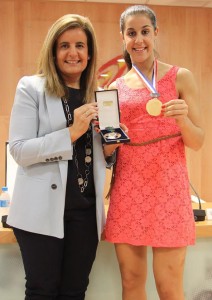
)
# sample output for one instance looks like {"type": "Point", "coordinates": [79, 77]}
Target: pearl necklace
{"type": "Point", "coordinates": [82, 182]}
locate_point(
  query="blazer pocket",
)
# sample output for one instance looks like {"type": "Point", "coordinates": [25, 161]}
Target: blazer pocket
{"type": "Point", "coordinates": [41, 171]}
{"type": "Point", "coordinates": [28, 189]}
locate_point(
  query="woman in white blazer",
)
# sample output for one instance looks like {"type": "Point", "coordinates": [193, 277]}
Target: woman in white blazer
{"type": "Point", "coordinates": [57, 209]}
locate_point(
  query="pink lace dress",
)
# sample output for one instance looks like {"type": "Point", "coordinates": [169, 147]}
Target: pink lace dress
{"type": "Point", "coordinates": [150, 203]}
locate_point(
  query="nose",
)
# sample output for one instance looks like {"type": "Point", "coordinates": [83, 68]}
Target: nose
{"type": "Point", "coordinates": [72, 51]}
{"type": "Point", "coordinates": [139, 38]}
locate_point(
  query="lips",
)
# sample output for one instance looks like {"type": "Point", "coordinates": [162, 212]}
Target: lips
{"type": "Point", "coordinates": [72, 62]}
{"type": "Point", "coordinates": [139, 49]}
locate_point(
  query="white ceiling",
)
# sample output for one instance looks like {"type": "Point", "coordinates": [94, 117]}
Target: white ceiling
{"type": "Point", "coordinates": [191, 3]}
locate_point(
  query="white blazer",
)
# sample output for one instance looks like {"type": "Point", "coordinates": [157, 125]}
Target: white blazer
{"type": "Point", "coordinates": [40, 143]}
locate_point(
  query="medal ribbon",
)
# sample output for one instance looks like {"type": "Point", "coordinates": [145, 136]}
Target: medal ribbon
{"type": "Point", "coordinates": [150, 85]}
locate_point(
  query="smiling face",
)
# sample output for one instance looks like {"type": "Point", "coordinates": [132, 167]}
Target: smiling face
{"type": "Point", "coordinates": [139, 36]}
{"type": "Point", "coordinates": [72, 55]}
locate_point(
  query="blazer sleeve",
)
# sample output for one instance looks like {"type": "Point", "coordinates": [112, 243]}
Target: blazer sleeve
{"type": "Point", "coordinates": [32, 139]}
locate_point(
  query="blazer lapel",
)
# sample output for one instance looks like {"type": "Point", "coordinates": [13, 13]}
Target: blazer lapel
{"type": "Point", "coordinates": [56, 113]}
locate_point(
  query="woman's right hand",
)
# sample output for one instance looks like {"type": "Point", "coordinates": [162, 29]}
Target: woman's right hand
{"type": "Point", "coordinates": [82, 118]}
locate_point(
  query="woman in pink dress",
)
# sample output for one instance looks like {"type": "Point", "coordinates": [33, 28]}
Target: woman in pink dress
{"type": "Point", "coordinates": [150, 203]}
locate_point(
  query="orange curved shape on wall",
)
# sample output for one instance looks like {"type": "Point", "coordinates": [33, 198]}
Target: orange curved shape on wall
{"type": "Point", "coordinates": [111, 70]}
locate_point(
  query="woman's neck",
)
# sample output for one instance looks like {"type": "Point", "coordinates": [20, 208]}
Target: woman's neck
{"type": "Point", "coordinates": [73, 82]}
{"type": "Point", "coordinates": [74, 85]}
{"type": "Point", "coordinates": [146, 68]}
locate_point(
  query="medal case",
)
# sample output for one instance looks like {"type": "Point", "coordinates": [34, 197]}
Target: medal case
{"type": "Point", "coordinates": [109, 117]}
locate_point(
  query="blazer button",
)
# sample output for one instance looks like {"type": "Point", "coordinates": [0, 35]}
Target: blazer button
{"type": "Point", "coordinates": [60, 157]}
{"type": "Point", "coordinates": [56, 158]}
{"type": "Point", "coordinates": [47, 160]}
{"type": "Point", "coordinates": [54, 186]}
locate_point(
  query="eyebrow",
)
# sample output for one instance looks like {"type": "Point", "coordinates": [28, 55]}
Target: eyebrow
{"type": "Point", "coordinates": [66, 42]}
{"type": "Point", "coordinates": [143, 27]}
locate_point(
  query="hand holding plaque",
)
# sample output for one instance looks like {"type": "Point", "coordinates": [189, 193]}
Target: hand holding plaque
{"type": "Point", "coordinates": [108, 112]}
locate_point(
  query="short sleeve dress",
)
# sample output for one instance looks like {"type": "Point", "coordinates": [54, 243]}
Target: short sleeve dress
{"type": "Point", "coordinates": [150, 202]}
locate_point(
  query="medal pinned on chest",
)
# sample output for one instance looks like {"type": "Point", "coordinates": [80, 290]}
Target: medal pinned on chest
{"type": "Point", "coordinates": [154, 105]}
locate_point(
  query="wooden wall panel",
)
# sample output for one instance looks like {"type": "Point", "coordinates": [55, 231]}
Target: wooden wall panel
{"type": "Point", "coordinates": [184, 40]}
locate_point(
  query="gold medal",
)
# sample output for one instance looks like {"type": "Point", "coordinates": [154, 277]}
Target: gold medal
{"type": "Point", "coordinates": [153, 107]}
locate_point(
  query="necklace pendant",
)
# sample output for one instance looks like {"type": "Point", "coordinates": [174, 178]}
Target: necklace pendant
{"type": "Point", "coordinates": [87, 159]}
{"type": "Point", "coordinates": [80, 181]}
{"type": "Point", "coordinates": [85, 183]}
{"type": "Point", "coordinates": [88, 151]}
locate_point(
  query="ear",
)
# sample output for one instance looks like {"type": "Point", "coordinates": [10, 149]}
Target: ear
{"type": "Point", "coordinates": [121, 36]}
{"type": "Point", "coordinates": [156, 31]}
{"type": "Point", "coordinates": [89, 57]}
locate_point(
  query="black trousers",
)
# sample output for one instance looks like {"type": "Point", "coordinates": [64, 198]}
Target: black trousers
{"type": "Point", "coordinates": [59, 268]}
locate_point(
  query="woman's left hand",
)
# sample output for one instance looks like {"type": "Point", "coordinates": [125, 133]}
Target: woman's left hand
{"type": "Point", "coordinates": [177, 109]}
{"type": "Point", "coordinates": [109, 149]}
